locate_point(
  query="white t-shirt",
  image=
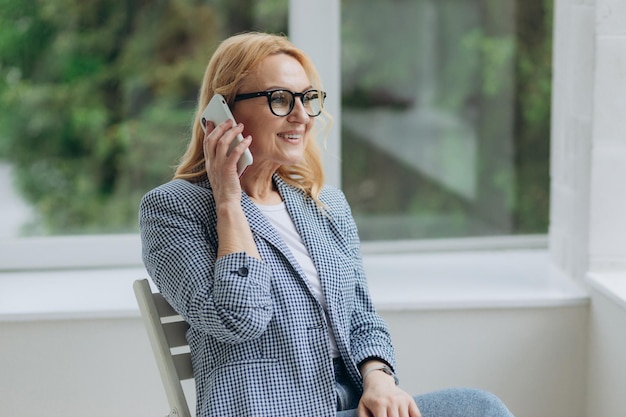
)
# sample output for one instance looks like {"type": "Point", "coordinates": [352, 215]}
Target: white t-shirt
{"type": "Point", "coordinates": [279, 218]}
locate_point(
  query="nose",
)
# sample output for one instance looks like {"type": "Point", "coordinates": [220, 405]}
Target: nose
{"type": "Point", "coordinates": [298, 113]}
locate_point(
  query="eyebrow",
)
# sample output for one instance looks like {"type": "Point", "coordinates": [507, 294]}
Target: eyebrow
{"type": "Point", "coordinates": [310, 87]}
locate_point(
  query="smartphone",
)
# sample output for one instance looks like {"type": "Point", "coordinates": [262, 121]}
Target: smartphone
{"type": "Point", "coordinates": [217, 111]}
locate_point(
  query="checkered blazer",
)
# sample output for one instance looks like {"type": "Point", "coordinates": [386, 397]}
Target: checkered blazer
{"type": "Point", "coordinates": [259, 340]}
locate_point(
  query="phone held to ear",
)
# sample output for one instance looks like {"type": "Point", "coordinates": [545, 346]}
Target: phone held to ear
{"type": "Point", "coordinates": [217, 111]}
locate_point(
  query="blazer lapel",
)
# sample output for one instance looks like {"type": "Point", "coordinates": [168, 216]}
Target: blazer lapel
{"type": "Point", "coordinates": [312, 225]}
{"type": "Point", "coordinates": [262, 228]}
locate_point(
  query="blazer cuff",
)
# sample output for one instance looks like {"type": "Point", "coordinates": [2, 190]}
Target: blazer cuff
{"type": "Point", "coordinates": [241, 281]}
{"type": "Point", "coordinates": [376, 358]}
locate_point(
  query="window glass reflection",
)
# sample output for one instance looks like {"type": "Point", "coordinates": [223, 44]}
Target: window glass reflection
{"type": "Point", "coordinates": [440, 135]}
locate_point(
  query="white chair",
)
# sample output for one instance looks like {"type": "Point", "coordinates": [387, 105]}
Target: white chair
{"type": "Point", "coordinates": [166, 331]}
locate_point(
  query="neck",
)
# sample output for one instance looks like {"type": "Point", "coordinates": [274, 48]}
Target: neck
{"type": "Point", "coordinates": [261, 190]}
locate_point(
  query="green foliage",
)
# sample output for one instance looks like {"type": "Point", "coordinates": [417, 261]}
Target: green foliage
{"type": "Point", "coordinates": [96, 99]}
{"type": "Point", "coordinates": [95, 102]}
{"type": "Point", "coordinates": [496, 54]}
{"type": "Point", "coordinates": [532, 121]}
{"type": "Point", "coordinates": [484, 65]}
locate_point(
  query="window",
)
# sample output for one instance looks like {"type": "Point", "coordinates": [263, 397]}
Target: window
{"type": "Point", "coordinates": [444, 109]}
{"type": "Point", "coordinates": [445, 116]}
{"type": "Point", "coordinates": [96, 103]}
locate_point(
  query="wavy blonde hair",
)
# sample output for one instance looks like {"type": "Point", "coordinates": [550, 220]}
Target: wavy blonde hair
{"type": "Point", "coordinates": [232, 61]}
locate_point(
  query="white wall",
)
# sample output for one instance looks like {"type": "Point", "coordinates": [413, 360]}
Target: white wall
{"type": "Point", "coordinates": [73, 344]}
{"type": "Point", "coordinates": [607, 237]}
{"type": "Point", "coordinates": [314, 26]}
{"type": "Point", "coordinates": [607, 359]}
{"type": "Point", "coordinates": [532, 358]}
{"type": "Point", "coordinates": [78, 367]}
{"type": "Point", "coordinates": [572, 107]}
{"type": "Point", "coordinates": [588, 225]}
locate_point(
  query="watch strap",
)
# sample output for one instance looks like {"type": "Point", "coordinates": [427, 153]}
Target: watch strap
{"type": "Point", "coordinates": [384, 368]}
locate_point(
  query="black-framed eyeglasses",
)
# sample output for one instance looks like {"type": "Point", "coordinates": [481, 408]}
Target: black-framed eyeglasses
{"type": "Point", "coordinates": [281, 102]}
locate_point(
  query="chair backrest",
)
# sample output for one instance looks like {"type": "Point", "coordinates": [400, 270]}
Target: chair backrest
{"type": "Point", "coordinates": [166, 331]}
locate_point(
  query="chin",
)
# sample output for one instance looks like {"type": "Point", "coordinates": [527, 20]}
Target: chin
{"type": "Point", "coordinates": [293, 158]}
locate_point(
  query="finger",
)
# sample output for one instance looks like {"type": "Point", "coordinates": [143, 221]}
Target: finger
{"type": "Point", "coordinates": [208, 125]}
{"type": "Point", "coordinates": [395, 411]}
{"type": "Point", "coordinates": [240, 148]}
{"type": "Point", "coordinates": [226, 128]}
{"type": "Point", "coordinates": [228, 148]}
{"type": "Point", "coordinates": [362, 410]}
{"type": "Point", "coordinates": [213, 137]}
{"type": "Point", "coordinates": [206, 142]}
{"type": "Point", "coordinates": [414, 410]}
{"type": "Point", "coordinates": [215, 132]}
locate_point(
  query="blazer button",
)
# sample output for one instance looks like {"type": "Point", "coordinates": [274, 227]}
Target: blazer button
{"type": "Point", "coordinates": [242, 272]}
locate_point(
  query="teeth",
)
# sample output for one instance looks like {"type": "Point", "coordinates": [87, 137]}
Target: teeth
{"type": "Point", "coordinates": [291, 136]}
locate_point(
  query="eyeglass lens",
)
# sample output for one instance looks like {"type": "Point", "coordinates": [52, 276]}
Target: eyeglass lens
{"type": "Point", "coordinates": [282, 102]}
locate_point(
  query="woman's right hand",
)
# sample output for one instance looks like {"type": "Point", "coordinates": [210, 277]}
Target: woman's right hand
{"type": "Point", "coordinates": [220, 168]}
{"type": "Point", "coordinates": [233, 229]}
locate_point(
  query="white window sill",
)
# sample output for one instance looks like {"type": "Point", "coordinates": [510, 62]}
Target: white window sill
{"type": "Point", "coordinates": [520, 278]}
{"type": "Point", "coordinates": [72, 294]}
{"type": "Point", "coordinates": [610, 284]}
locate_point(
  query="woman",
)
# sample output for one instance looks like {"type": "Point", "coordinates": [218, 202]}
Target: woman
{"type": "Point", "coordinates": [266, 268]}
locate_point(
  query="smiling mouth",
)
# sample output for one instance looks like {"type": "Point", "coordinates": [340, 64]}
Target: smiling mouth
{"type": "Point", "coordinates": [290, 137]}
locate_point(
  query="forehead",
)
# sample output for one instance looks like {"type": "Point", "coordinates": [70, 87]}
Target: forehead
{"type": "Point", "coordinates": [278, 71]}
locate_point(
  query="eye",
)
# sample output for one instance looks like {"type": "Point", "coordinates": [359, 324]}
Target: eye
{"type": "Point", "coordinates": [310, 96]}
{"type": "Point", "coordinates": [280, 98]}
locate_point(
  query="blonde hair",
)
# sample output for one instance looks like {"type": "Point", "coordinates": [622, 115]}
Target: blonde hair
{"type": "Point", "coordinates": [232, 61]}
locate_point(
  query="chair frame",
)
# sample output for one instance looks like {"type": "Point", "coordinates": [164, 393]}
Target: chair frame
{"type": "Point", "coordinates": [167, 334]}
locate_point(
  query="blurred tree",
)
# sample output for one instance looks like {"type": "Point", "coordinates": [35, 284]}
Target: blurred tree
{"type": "Point", "coordinates": [533, 70]}
{"type": "Point", "coordinates": [96, 99]}
{"type": "Point", "coordinates": [486, 63]}
{"type": "Point", "coordinates": [93, 101]}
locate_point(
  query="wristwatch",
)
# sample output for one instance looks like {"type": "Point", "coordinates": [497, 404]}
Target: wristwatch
{"type": "Point", "coordinates": [383, 368]}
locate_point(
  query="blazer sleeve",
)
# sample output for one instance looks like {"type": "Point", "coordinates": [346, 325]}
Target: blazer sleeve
{"type": "Point", "coordinates": [227, 298]}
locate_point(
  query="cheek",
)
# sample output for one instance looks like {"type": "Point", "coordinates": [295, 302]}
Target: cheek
{"type": "Point", "coordinates": [262, 131]}
{"type": "Point", "coordinates": [251, 129]}
{"type": "Point", "coordinates": [250, 122]}
{"type": "Point", "coordinates": [261, 139]}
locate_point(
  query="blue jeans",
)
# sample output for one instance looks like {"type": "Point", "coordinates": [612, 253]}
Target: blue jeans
{"type": "Point", "coordinates": [456, 402]}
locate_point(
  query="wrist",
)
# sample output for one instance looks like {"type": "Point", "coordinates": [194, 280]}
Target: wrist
{"type": "Point", "coordinates": [227, 207]}
{"type": "Point", "coordinates": [379, 368]}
